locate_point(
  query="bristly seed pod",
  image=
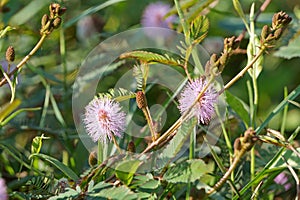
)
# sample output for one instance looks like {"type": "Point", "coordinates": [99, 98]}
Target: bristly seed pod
{"type": "Point", "coordinates": [141, 100]}
{"type": "Point", "coordinates": [10, 54]}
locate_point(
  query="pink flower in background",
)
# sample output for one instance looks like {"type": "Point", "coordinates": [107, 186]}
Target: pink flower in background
{"type": "Point", "coordinates": [103, 117]}
{"type": "Point", "coordinates": [282, 179]}
{"type": "Point", "coordinates": [3, 190]}
{"type": "Point", "coordinates": [204, 108]}
{"type": "Point", "coordinates": [154, 16]}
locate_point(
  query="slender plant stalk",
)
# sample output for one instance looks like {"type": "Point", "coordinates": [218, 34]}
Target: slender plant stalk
{"type": "Point", "coordinates": [25, 59]}
{"type": "Point", "coordinates": [100, 152]}
{"type": "Point", "coordinates": [241, 73]}
{"type": "Point", "coordinates": [282, 128]}
{"type": "Point", "coordinates": [149, 120]}
{"type": "Point", "coordinates": [183, 23]}
{"type": "Point", "coordinates": [191, 156]}
{"type": "Point", "coordinates": [116, 143]}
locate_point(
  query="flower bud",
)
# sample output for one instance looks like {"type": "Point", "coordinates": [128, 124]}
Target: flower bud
{"type": "Point", "coordinates": [264, 32]}
{"type": "Point", "coordinates": [131, 147]}
{"type": "Point", "coordinates": [93, 158]}
{"type": "Point", "coordinates": [56, 22]}
{"type": "Point", "coordinates": [213, 58]}
{"type": "Point", "coordinates": [141, 100]}
{"type": "Point", "coordinates": [224, 58]}
{"type": "Point", "coordinates": [44, 20]}
{"type": "Point", "coordinates": [278, 33]}
{"type": "Point", "coordinates": [10, 54]}
{"type": "Point", "coordinates": [237, 145]}
{"type": "Point", "coordinates": [62, 11]}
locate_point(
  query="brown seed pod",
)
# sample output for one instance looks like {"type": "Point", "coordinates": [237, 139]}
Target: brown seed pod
{"type": "Point", "coordinates": [10, 54]}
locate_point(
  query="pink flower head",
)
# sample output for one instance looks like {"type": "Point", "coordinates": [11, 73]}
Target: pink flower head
{"type": "Point", "coordinates": [204, 108]}
{"type": "Point", "coordinates": [282, 179]}
{"type": "Point", "coordinates": [3, 190]}
{"type": "Point", "coordinates": [103, 117]}
{"type": "Point", "coordinates": [154, 16]}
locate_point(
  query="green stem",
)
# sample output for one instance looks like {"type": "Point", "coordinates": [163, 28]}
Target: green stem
{"type": "Point", "coordinates": [282, 129]}
{"type": "Point", "coordinates": [191, 156]}
{"type": "Point", "coordinates": [186, 32]}
{"type": "Point", "coordinates": [100, 152]}
{"type": "Point", "coordinates": [183, 23]}
{"type": "Point", "coordinates": [295, 93]}
{"type": "Point", "coordinates": [116, 143]}
{"type": "Point", "coordinates": [64, 63]}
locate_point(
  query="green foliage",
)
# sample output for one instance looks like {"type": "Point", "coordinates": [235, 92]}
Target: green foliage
{"type": "Point", "coordinates": [62, 167]}
{"type": "Point", "coordinates": [199, 29]}
{"type": "Point", "coordinates": [291, 50]}
{"type": "Point", "coordinates": [126, 169]}
{"type": "Point", "coordinates": [119, 94]}
{"type": "Point", "coordinates": [176, 144]}
{"type": "Point", "coordinates": [154, 57]}
{"type": "Point", "coordinates": [185, 172]}
{"type": "Point", "coordinates": [239, 107]}
{"type": "Point", "coordinates": [37, 143]}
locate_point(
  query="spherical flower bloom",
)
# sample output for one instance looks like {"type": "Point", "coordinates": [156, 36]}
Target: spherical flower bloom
{"type": "Point", "coordinates": [282, 179]}
{"type": "Point", "coordinates": [103, 117]}
{"type": "Point", "coordinates": [204, 108]}
{"type": "Point", "coordinates": [3, 192]}
{"type": "Point", "coordinates": [153, 16]}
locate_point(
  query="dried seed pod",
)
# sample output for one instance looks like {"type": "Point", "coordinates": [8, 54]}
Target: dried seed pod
{"type": "Point", "coordinates": [10, 54]}
{"type": "Point", "coordinates": [141, 100]}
